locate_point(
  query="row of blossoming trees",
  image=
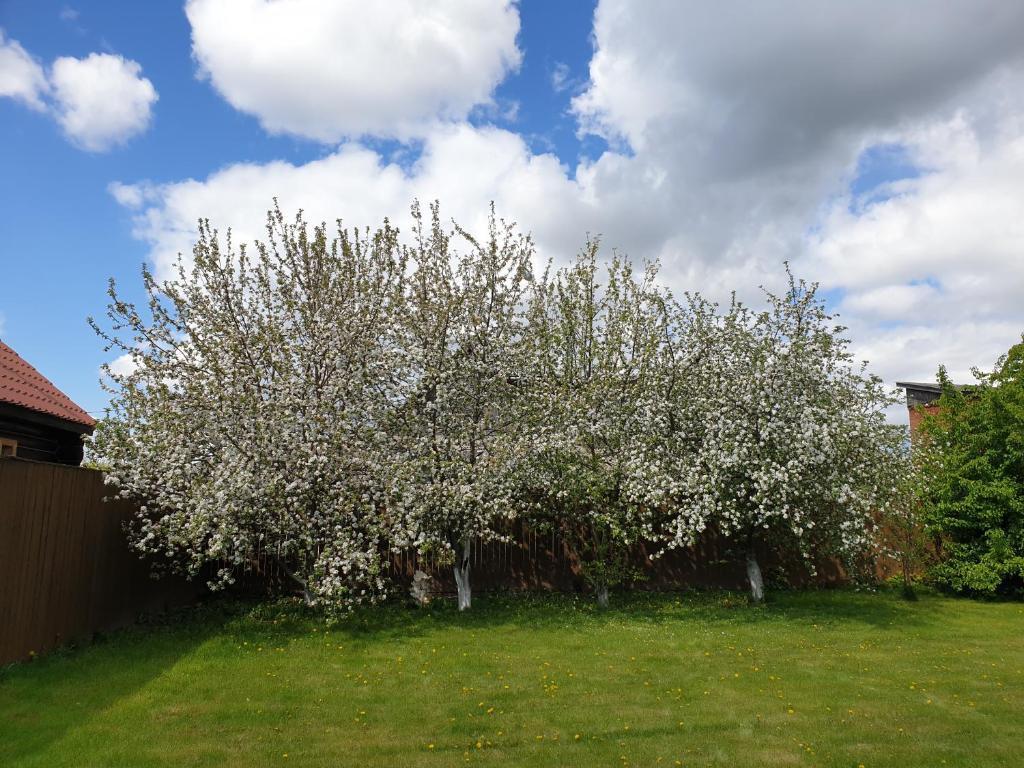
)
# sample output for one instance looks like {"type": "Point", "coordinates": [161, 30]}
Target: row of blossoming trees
{"type": "Point", "coordinates": [326, 395]}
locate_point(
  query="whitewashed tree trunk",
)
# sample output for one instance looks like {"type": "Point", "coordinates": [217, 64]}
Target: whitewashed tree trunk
{"type": "Point", "coordinates": [602, 596]}
{"type": "Point", "coordinates": [462, 576]}
{"type": "Point", "coordinates": [756, 580]}
{"type": "Point", "coordinates": [307, 596]}
{"type": "Point", "coordinates": [420, 590]}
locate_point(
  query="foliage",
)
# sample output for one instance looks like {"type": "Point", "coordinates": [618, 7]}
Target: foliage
{"type": "Point", "coordinates": [325, 397]}
{"type": "Point", "coordinates": [609, 564]}
{"type": "Point", "coordinates": [247, 426]}
{"type": "Point", "coordinates": [593, 355]}
{"type": "Point", "coordinates": [776, 439]}
{"type": "Point", "coordinates": [903, 535]}
{"type": "Point", "coordinates": [972, 451]}
{"type": "Point", "coordinates": [452, 432]}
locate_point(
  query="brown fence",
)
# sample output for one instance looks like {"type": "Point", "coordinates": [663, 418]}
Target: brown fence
{"type": "Point", "coordinates": [66, 571]}
{"type": "Point", "coordinates": [524, 559]}
{"type": "Point", "coordinates": [528, 560]}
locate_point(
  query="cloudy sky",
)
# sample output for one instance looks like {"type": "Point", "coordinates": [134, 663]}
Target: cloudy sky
{"type": "Point", "coordinates": [878, 146]}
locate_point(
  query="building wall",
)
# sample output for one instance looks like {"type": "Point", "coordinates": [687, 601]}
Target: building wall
{"type": "Point", "coordinates": [917, 414]}
{"type": "Point", "coordinates": [39, 440]}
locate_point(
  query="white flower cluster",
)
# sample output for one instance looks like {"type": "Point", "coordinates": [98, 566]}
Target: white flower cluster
{"type": "Point", "coordinates": [320, 399]}
{"type": "Point", "coordinates": [778, 439]}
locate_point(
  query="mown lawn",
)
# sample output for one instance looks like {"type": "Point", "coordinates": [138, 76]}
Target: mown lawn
{"type": "Point", "coordinates": [819, 678]}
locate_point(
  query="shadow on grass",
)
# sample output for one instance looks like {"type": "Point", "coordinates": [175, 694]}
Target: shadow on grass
{"type": "Point", "coordinates": [882, 609]}
{"type": "Point", "coordinates": [42, 700]}
{"type": "Point", "coordinates": [283, 620]}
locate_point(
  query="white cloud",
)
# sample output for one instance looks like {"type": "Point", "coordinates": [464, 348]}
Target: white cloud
{"type": "Point", "coordinates": [102, 100]}
{"type": "Point", "coordinates": [561, 77]}
{"type": "Point", "coordinates": [328, 69]}
{"type": "Point", "coordinates": [99, 101]}
{"type": "Point", "coordinates": [961, 225]}
{"type": "Point", "coordinates": [934, 274]}
{"type": "Point", "coordinates": [759, 86]}
{"type": "Point", "coordinates": [892, 302]}
{"type": "Point", "coordinates": [743, 133]}
{"type": "Point", "coordinates": [21, 76]}
{"type": "Point", "coordinates": [133, 196]}
{"type": "Point", "coordinates": [462, 166]}
{"type": "Point", "coordinates": [914, 352]}
{"type": "Point", "coordinates": [123, 365]}
{"type": "Point", "coordinates": [752, 119]}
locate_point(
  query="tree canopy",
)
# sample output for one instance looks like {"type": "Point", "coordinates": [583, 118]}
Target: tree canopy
{"type": "Point", "coordinates": [972, 460]}
{"type": "Point", "coordinates": [330, 394]}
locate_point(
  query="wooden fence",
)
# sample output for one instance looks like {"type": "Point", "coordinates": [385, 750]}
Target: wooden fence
{"type": "Point", "coordinates": [528, 560]}
{"type": "Point", "coordinates": [66, 571]}
{"type": "Point", "coordinates": [523, 559]}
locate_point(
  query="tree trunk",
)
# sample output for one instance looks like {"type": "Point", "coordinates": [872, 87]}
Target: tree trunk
{"type": "Point", "coordinates": [462, 576]}
{"type": "Point", "coordinates": [908, 578]}
{"type": "Point", "coordinates": [756, 581]}
{"type": "Point", "coordinates": [307, 596]}
{"type": "Point", "coordinates": [602, 596]}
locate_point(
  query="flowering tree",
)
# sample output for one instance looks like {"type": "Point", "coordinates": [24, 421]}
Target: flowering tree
{"type": "Point", "coordinates": [248, 425]}
{"type": "Point", "coordinates": [324, 396]}
{"type": "Point", "coordinates": [453, 437]}
{"type": "Point", "coordinates": [594, 354]}
{"type": "Point", "coordinates": [661, 476]}
{"type": "Point", "coordinates": [778, 440]}
{"type": "Point", "coordinates": [902, 534]}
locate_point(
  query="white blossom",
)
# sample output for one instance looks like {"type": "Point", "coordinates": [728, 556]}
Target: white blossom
{"type": "Point", "coordinates": [322, 398]}
{"type": "Point", "coordinates": [248, 424]}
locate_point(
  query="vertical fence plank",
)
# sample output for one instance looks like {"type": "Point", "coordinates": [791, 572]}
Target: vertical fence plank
{"type": "Point", "coordinates": [29, 588]}
{"type": "Point", "coordinates": [15, 528]}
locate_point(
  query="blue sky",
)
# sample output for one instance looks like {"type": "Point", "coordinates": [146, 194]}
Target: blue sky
{"type": "Point", "coordinates": [720, 143]}
{"type": "Point", "coordinates": [65, 235]}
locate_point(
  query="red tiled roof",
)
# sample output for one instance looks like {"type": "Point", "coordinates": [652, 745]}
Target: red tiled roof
{"type": "Point", "coordinates": [23, 385]}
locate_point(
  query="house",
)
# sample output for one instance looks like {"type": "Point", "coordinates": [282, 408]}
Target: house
{"type": "Point", "coordinates": [37, 420]}
{"type": "Point", "coordinates": [922, 398]}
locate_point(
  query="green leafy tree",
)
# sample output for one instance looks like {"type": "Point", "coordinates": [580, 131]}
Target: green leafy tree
{"type": "Point", "coordinates": [972, 453]}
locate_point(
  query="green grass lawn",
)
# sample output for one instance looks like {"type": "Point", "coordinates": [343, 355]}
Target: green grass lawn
{"type": "Point", "coordinates": [819, 678]}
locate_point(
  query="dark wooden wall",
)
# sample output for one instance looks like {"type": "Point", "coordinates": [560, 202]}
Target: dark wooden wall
{"type": "Point", "coordinates": [66, 571]}
{"type": "Point", "coordinates": [41, 437]}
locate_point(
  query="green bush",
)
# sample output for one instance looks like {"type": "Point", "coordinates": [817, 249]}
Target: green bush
{"type": "Point", "coordinates": [972, 457]}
